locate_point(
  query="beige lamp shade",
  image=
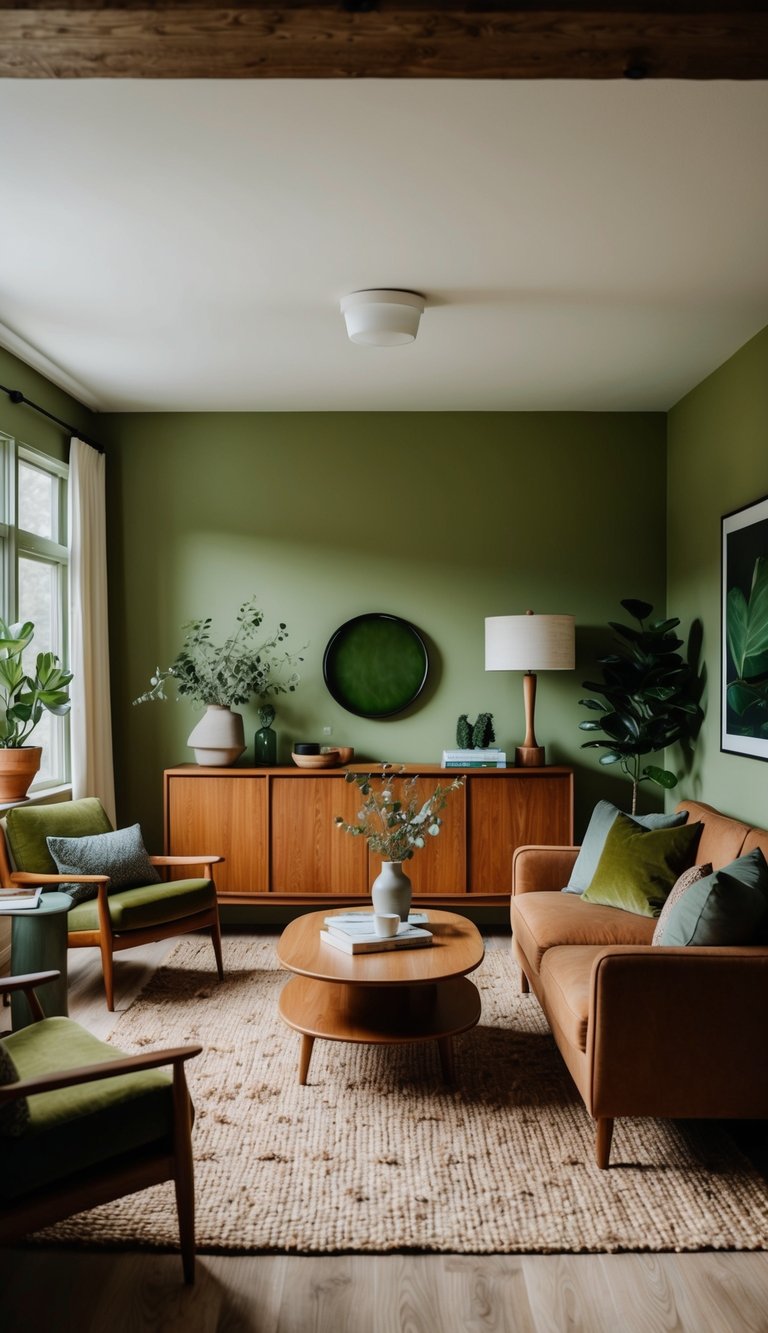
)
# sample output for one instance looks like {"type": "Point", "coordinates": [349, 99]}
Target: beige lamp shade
{"type": "Point", "coordinates": [530, 643]}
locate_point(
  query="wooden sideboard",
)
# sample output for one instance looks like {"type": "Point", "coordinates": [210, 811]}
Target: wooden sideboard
{"type": "Point", "coordinates": [275, 826]}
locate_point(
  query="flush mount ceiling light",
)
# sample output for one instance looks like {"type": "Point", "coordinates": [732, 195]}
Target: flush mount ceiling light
{"type": "Point", "coordinates": [382, 318]}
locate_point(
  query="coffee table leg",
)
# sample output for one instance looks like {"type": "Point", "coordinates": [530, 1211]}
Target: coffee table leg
{"type": "Point", "coordinates": [305, 1055]}
{"type": "Point", "coordinates": [445, 1047]}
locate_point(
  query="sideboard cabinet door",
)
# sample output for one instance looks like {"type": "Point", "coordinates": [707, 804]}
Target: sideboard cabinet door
{"type": "Point", "coordinates": [309, 853]}
{"type": "Point", "coordinates": [221, 816]}
{"type": "Point", "coordinates": [510, 813]}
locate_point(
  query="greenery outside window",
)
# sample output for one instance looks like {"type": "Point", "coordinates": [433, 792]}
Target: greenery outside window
{"type": "Point", "coordinates": [33, 576]}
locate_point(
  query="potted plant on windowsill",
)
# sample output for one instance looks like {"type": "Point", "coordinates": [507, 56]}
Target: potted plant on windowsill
{"type": "Point", "coordinates": [218, 678]}
{"type": "Point", "coordinates": [23, 700]}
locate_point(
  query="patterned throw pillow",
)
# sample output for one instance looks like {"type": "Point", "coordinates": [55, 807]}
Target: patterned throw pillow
{"type": "Point", "coordinates": [121, 855]}
{"type": "Point", "coordinates": [690, 876]}
{"type": "Point", "coordinates": [14, 1116]}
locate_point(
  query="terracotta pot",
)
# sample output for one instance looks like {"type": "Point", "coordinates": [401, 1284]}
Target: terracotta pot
{"type": "Point", "coordinates": [17, 770]}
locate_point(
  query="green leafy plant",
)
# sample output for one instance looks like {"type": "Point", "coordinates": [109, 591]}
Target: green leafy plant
{"type": "Point", "coordinates": [477, 736]}
{"type": "Point", "coordinates": [24, 698]}
{"type": "Point", "coordinates": [395, 821]}
{"type": "Point", "coordinates": [746, 621]}
{"type": "Point", "coordinates": [650, 697]}
{"type": "Point", "coordinates": [243, 667]}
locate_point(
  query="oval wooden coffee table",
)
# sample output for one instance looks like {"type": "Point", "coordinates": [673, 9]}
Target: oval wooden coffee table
{"type": "Point", "coordinates": [402, 995]}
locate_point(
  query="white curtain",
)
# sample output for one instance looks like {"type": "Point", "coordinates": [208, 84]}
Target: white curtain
{"type": "Point", "coordinates": [90, 718]}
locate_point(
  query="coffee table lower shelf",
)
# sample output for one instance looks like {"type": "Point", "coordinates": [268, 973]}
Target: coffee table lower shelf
{"type": "Point", "coordinates": [380, 1015]}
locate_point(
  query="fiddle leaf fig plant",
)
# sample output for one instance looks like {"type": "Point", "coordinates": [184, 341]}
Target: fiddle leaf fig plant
{"type": "Point", "coordinates": [24, 697]}
{"type": "Point", "coordinates": [649, 697]}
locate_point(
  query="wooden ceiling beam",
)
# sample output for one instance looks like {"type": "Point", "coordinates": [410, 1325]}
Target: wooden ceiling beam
{"type": "Point", "coordinates": [679, 39]}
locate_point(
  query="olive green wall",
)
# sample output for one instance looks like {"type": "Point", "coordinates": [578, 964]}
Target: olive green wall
{"type": "Point", "coordinates": [718, 462]}
{"type": "Point", "coordinates": [28, 426]}
{"type": "Point", "coordinates": [440, 518]}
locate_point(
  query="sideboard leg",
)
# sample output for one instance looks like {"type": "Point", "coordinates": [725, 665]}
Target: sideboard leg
{"type": "Point", "coordinates": [305, 1055]}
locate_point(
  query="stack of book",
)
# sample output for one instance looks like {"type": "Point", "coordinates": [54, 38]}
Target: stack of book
{"type": "Point", "coordinates": [355, 934]}
{"type": "Point", "coordinates": [474, 759]}
{"type": "Point", "coordinates": [15, 899]}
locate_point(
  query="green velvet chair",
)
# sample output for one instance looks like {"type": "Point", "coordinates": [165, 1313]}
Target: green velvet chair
{"type": "Point", "coordinates": [111, 921]}
{"type": "Point", "coordinates": [82, 1123]}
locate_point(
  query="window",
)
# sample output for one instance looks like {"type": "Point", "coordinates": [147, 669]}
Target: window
{"type": "Point", "coordinates": [33, 575]}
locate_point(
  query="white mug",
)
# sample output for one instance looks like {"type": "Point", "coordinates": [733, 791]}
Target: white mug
{"type": "Point", "coordinates": [386, 924]}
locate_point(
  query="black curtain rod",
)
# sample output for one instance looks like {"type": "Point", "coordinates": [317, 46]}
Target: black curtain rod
{"type": "Point", "coordinates": [16, 396]}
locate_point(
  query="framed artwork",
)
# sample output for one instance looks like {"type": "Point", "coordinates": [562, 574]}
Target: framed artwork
{"type": "Point", "coordinates": [744, 680]}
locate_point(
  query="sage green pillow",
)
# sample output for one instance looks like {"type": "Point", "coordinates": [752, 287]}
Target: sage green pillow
{"type": "Point", "coordinates": [638, 867]}
{"type": "Point", "coordinates": [729, 906]}
{"type": "Point", "coordinates": [14, 1115]}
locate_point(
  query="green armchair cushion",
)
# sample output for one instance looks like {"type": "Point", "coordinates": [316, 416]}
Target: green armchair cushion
{"type": "Point", "coordinates": [74, 1128]}
{"type": "Point", "coordinates": [28, 828]}
{"type": "Point", "coordinates": [14, 1116]}
{"type": "Point", "coordinates": [121, 855]}
{"type": "Point", "coordinates": [148, 905]}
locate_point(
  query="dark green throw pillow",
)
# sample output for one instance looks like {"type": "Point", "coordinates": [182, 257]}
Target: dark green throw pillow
{"type": "Point", "coordinates": [638, 867]}
{"type": "Point", "coordinates": [730, 906]}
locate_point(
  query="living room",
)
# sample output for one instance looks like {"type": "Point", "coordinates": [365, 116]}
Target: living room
{"type": "Point", "coordinates": [434, 498]}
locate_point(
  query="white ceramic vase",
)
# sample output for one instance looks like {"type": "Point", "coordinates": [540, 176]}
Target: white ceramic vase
{"type": "Point", "coordinates": [391, 890]}
{"type": "Point", "coordinates": [219, 737]}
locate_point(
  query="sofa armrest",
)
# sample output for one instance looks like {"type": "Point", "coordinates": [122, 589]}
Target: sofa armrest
{"type": "Point", "coordinates": [678, 1032]}
{"type": "Point", "coordinates": [536, 868]}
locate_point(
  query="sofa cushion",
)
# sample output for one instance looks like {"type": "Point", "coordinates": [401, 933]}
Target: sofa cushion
{"type": "Point", "coordinates": [638, 867]}
{"type": "Point", "coordinates": [727, 907]}
{"type": "Point", "coordinates": [29, 826]}
{"type": "Point", "coordinates": [599, 827]}
{"type": "Point", "coordinates": [121, 855]}
{"type": "Point", "coordinates": [690, 876]}
{"type": "Point", "coordinates": [541, 921]}
{"type": "Point", "coordinates": [148, 905]}
{"type": "Point", "coordinates": [566, 974]}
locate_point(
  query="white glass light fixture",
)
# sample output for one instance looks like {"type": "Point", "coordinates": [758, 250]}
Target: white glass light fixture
{"type": "Point", "coordinates": [529, 643]}
{"type": "Point", "coordinates": [382, 317]}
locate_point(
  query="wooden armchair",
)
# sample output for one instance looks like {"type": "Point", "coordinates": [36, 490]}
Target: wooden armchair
{"type": "Point", "coordinates": [117, 920]}
{"type": "Point", "coordinates": [65, 1151]}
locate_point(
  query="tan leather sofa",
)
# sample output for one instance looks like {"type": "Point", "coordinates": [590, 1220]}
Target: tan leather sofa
{"type": "Point", "coordinates": [644, 1030]}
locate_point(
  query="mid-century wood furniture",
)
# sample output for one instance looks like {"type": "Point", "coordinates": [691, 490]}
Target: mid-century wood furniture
{"type": "Point", "coordinates": [85, 1142]}
{"type": "Point", "coordinates": [111, 921]}
{"type": "Point", "coordinates": [341, 997]}
{"type": "Point", "coordinates": [275, 828]}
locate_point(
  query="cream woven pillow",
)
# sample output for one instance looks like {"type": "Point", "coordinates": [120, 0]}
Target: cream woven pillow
{"type": "Point", "coordinates": [690, 876]}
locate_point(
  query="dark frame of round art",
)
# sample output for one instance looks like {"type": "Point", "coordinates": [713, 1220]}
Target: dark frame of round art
{"type": "Point", "coordinates": [375, 665]}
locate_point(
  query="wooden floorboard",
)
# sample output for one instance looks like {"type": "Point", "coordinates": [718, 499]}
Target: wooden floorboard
{"type": "Point", "coordinates": [74, 1291]}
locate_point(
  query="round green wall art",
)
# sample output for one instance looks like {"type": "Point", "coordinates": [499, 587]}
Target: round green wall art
{"type": "Point", "coordinates": [375, 665]}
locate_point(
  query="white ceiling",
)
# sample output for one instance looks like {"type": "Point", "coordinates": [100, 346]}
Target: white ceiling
{"type": "Point", "coordinates": [184, 245]}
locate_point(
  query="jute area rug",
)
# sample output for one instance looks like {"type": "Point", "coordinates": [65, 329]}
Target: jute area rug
{"type": "Point", "coordinates": [375, 1155]}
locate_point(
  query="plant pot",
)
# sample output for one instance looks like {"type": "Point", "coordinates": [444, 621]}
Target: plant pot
{"type": "Point", "coordinates": [219, 737]}
{"type": "Point", "coordinates": [391, 890]}
{"type": "Point", "coordinates": [17, 770]}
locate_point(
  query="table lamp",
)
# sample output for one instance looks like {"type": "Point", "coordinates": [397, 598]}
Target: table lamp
{"type": "Point", "coordinates": [529, 643]}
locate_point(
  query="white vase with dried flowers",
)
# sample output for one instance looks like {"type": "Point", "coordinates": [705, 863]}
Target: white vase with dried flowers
{"type": "Point", "coordinates": [395, 823]}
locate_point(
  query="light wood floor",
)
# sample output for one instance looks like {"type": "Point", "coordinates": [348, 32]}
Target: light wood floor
{"type": "Point", "coordinates": [75, 1292]}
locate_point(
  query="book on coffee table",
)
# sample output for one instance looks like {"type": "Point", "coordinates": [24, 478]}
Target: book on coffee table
{"type": "Point", "coordinates": [351, 940]}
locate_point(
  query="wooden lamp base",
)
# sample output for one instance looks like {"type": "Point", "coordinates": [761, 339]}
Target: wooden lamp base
{"type": "Point", "coordinates": [529, 754]}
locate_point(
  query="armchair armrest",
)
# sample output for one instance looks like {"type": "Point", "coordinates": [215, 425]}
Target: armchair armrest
{"type": "Point", "coordinates": [206, 862]}
{"type": "Point", "coordinates": [676, 1032]}
{"type": "Point", "coordinates": [128, 1064]}
{"type": "Point", "coordinates": [27, 982]}
{"type": "Point", "coordinates": [540, 867]}
{"type": "Point", "coordinates": [26, 877]}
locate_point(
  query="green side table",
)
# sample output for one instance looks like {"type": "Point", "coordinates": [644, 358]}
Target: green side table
{"type": "Point", "coordinates": [39, 944]}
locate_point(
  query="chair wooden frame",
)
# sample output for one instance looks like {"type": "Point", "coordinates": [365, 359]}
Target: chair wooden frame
{"type": "Point", "coordinates": [129, 1173]}
{"type": "Point", "coordinates": [110, 941]}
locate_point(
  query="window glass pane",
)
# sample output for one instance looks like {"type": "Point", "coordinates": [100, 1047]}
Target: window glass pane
{"type": "Point", "coordinates": [37, 602]}
{"type": "Point", "coordinates": [37, 500]}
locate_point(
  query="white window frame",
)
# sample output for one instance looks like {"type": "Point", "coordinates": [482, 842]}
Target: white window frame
{"type": "Point", "coordinates": [16, 543]}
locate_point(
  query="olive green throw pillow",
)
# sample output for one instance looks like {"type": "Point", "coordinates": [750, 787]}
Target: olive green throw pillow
{"type": "Point", "coordinates": [638, 867]}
